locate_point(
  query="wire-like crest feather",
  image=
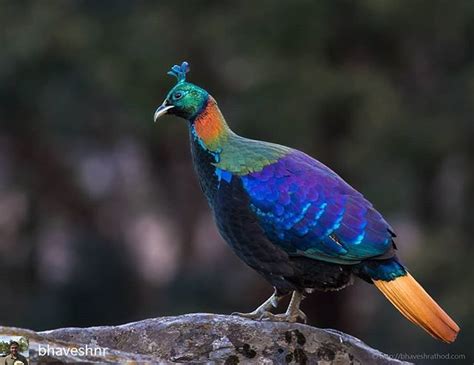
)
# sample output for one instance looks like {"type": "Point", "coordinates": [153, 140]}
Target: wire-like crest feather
{"type": "Point", "coordinates": [180, 71]}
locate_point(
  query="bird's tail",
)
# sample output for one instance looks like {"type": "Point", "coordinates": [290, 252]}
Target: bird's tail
{"type": "Point", "coordinates": [409, 297]}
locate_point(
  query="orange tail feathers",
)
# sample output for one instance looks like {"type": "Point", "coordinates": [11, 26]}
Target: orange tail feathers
{"type": "Point", "coordinates": [416, 305]}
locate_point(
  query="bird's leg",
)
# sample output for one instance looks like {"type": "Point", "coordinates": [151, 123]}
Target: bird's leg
{"type": "Point", "coordinates": [293, 313]}
{"type": "Point", "coordinates": [263, 311]}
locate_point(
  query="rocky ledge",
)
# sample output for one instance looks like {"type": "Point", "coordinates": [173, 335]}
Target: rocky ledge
{"type": "Point", "coordinates": [200, 339]}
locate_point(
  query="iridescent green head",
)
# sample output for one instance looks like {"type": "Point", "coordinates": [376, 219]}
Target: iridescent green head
{"type": "Point", "coordinates": [184, 100]}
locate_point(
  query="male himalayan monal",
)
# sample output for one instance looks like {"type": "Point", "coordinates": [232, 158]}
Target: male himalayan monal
{"type": "Point", "coordinates": [293, 219]}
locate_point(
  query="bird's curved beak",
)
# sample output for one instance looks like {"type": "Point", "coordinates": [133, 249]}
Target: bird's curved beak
{"type": "Point", "coordinates": [162, 110]}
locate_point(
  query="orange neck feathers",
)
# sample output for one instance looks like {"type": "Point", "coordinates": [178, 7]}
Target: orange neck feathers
{"type": "Point", "coordinates": [210, 126]}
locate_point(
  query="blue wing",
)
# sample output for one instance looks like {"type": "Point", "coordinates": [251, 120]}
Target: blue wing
{"type": "Point", "coordinates": [307, 209]}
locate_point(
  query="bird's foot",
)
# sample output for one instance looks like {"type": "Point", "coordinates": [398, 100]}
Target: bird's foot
{"type": "Point", "coordinates": [293, 313]}
{"type": "Point", "coordinates": [262, 312]}
{"type": "Point", "coordinates": [290, 317]}
{"type": "Point", "coordinates": [256, 315]}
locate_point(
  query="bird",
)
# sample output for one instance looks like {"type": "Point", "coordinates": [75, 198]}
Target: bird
{"type": "Point", "coordinates": [293, 219]}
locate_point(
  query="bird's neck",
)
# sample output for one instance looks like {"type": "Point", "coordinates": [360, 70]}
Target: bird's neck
{"type": "Point", "coordinates": [210, 129]}
{"type": "Point", "coordinates": [215, 144]}
{"type": "Point", "coordinates": [210, 136]}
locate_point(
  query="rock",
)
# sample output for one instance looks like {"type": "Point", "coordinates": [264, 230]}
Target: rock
{"type": "Point", "coordinates": [200, 339]}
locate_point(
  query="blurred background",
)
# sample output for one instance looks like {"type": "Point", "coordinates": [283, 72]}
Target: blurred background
{"type": "Point", "coordinates": [101, 218]}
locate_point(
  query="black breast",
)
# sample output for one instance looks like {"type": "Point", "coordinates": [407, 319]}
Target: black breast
{"type": "Point", "coordinates": [203, 164]}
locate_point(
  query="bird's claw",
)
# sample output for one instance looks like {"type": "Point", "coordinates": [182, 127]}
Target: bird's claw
{"type": "Point", "coordinates": [255, 315]}
{"type": "Point", "coordinates": [274, 302]}
{"type": "Point", "coordinates": [292, 314]}
{"type": "Point", "coordinates": [287, 317]}
{"type": "Point", "coordinates": [268, 316]}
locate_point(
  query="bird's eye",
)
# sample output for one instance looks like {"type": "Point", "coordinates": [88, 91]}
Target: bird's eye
{"type": "Point", "coordinates": [178, 95]}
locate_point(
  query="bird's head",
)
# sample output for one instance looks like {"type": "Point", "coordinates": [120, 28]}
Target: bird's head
{"type": "Point", "coordinates": [184, 100]}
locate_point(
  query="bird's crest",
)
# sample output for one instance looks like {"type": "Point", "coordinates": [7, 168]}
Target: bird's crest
{"type": "Point", "coordinates": [180, 71]}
